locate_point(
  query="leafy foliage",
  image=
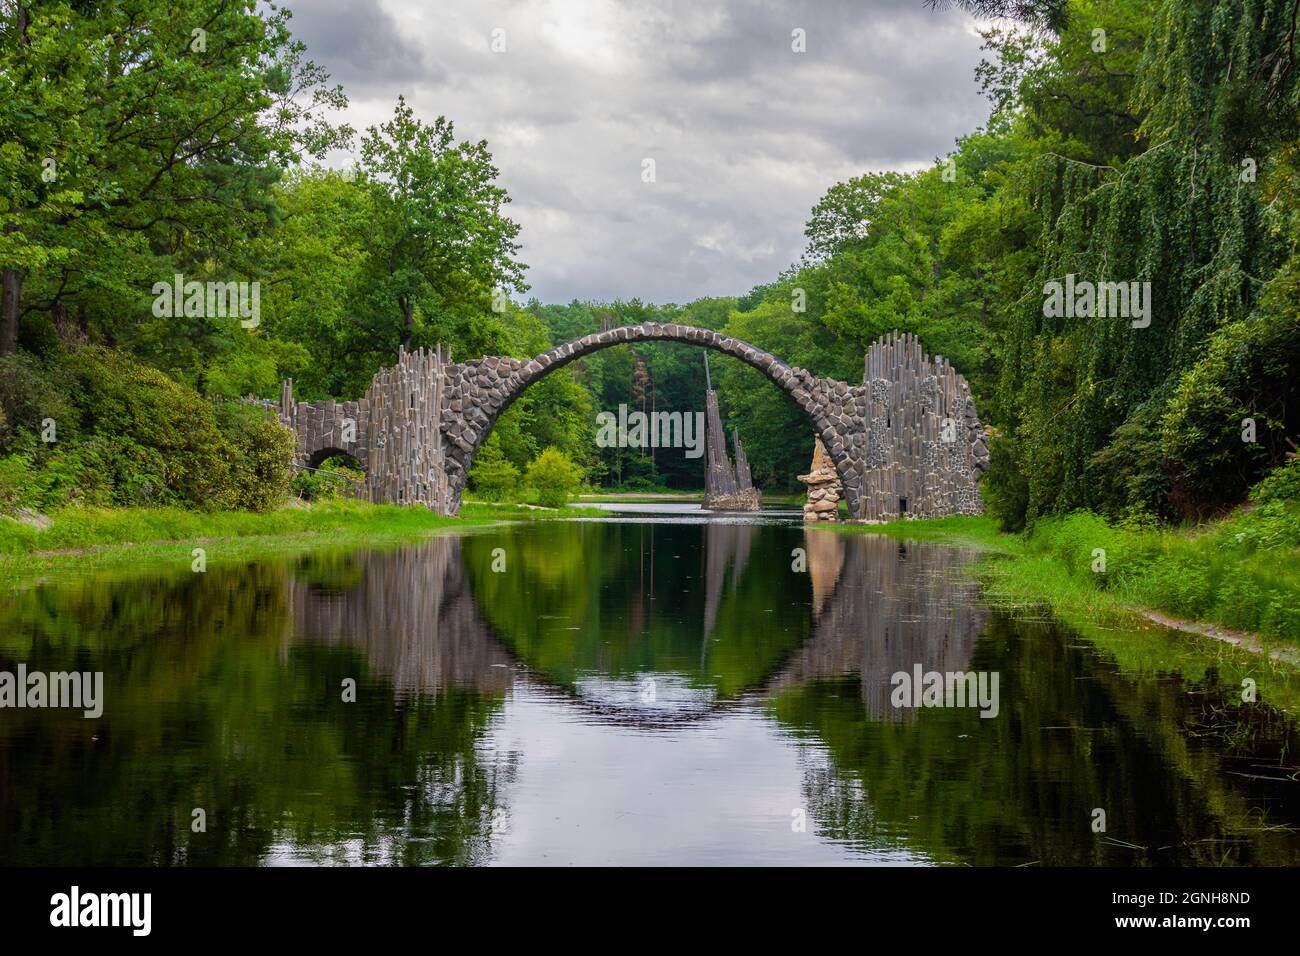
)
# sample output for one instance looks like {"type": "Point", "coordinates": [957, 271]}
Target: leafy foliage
{"type": "Point", "coordinates": [554, 477]}
{"type": "Point", "coordinates": [261, 466]}
{"type": "Point", "coordinates": [103, 429]}
{"type": "Point", "coordinates": [1146, 141]}
{"type": "Point", "coordinates": [335, 478]}
{"type": "Point", "coordinates": [1283, 484]}
{"type": "Point", "coordinates": [136, 147]}
{"type": "Point", "coordinates": [493, 477]}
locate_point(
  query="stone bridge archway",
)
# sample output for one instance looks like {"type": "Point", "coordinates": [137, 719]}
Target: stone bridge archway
{"type": "Point", "coordinates": [480, 390]}
{"type": "Point", "coordinates": [320, 455]}
{"type": "Point", "coordinates": [907, 440]}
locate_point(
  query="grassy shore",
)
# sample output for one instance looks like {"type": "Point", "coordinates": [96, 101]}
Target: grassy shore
{"type": "Point", "coordinates": [1237, 578]}
{"type": "Point", "coordinates": [1243, 573]}
{"type": "Point", "coordinates": [642, 496]}
{"type": "Point", "coordinates": [83, 539]}
{"type": "Point", "coordinates": [1239, 575]}
{"type": "Point", "coordinates": [1197, 577]}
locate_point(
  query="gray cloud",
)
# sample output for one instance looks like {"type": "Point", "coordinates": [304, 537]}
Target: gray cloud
{"type": "Point", "coordinates": [746, 135]}
{"type": "Point", "coordinates": [361, 45]}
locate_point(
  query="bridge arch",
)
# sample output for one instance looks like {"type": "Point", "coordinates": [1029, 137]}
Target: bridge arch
{"type": "Point", "coordinates": [324, 453]}
{"type": "Point", "coordinates": [906, 440]}
{"type": "Point", "coordinates": [480, 390]}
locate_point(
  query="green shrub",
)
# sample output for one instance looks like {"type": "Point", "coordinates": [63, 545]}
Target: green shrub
{"type": "Point", "coordinates": [262, 460]}
{"type": "Point", "coordinates": [554, 476]}
{"type": "Point", "coordinates": [1004, 487]}
{"type": "Point", "coordinates": [1275, 524]}
{"type": "Point", "coordinates": [1247, 371]}
{"type": "Point", "coordinates": [1281, 484]}
{"type": "Point", "coordinates": [317, 485]}
{"type": "Point", "coordinates": [1184, 588]}
{"type": "Point", "coordinates": [128, 435]}
{"type": "Point", "coordinates": [129, 402]}
{"type": "Point", "coordinates": [15, 477]}
{"type": "Point", "coordinates": [32, 391]}
{"type": "Point", "coordinates": [333, 479]}
{"type": "Point", "coordinates": [70, 475]}
{"type": "Point", "coordinates": [1073, 539]}
{"type": "Point", "coordinates": [1215, 576]}
{"type": "Point", "coordinates": [1085, 542]}
{"type": "Point", "coordinates": [1280, 616]}
{"type": "Point", "coordinates": [1129, 473]}
{"type": "Point", "coordinates": [492, 476]}
{"type": "Point", "coordinates": [1237, 602]}
{"type": "Point", "coordinates": [644, 483]}
{"type": "Point", "coordinates": [135, 474]}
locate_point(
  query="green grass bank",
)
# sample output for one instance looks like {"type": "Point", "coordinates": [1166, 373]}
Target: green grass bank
{"type": "Point", "coordinates": [1241, 573]}
{"type": "Point", "coordinates": [81, 539]}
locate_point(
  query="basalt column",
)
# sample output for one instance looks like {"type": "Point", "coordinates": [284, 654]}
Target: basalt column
{"type": "Point", "coordinates": [322, 428]}
{"type": "Point", "coordinates": [719, 476]}
{"type": "Point", "coordinates": [925, 446]}
{"type": "Point", "coordinates": [407, 460]}
{"type": "Point", "coordinates": [726, 488]}
{"type": "Point", "coordinates": [744, 482]}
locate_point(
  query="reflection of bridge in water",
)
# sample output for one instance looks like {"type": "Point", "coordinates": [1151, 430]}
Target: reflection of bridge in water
{"type": "Point", "coordinates": [878, 606]}
{"type": "Point", "coordinates": [883, 606]}
{"type": "Point", "coordinates": [414, 617]}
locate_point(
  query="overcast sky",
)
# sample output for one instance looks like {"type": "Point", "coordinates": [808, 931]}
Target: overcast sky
{"type": "Point", "coordinates": [746, 134]}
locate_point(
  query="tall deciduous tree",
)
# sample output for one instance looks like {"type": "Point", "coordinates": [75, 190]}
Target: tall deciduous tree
{"type": "Point", "coordinates": [444, 247]}
{"type": "Point", "coordinates": [140, 137]}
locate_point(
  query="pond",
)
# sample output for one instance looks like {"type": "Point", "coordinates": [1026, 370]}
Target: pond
{"type": "Point", "coordinates": [655, 686]}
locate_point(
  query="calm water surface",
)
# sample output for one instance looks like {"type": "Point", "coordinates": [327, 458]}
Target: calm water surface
{"type": "Point", "coordinates": [651, 687]}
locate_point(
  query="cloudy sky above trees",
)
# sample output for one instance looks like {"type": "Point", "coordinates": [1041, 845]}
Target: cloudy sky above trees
{"type": "Point", "coordinates": [746, 134]}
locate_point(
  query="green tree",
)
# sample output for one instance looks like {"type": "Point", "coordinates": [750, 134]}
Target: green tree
{"type": "Point", "coordinates": [493, 477]}
{"type": "Point", "coordinates": [554, 477]}
{"type": "Point", "coordinates": [443, 244]}
{"type": "Point", "coordinates": [844, 215]}
{"type": "Point", "coordinates": [142, 139]}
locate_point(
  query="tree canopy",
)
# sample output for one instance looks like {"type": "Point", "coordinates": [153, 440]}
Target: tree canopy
{"type": "Point", "coordinates": [1149, 143]}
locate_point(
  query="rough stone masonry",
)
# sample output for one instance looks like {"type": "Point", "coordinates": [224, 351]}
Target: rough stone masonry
{"type": "Point", "coordinates": [907, 441]}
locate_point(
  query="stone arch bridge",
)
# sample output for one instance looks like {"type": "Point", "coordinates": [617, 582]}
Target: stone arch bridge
{"type": "Point", "coordinates": [907, 440]}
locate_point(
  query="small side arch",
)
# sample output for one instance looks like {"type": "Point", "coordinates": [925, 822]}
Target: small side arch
{"type": "Point", "coordinates": [321, 455]}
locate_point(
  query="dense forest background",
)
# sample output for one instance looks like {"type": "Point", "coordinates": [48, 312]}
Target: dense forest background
{"type": "Point", "coordinates": [1128, 141]}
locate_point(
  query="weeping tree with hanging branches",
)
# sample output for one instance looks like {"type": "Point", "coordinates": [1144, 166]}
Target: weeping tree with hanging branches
{"type": "Point", "coordinates": [1181, 414]}
{"type": "Point", "coordinates": [1048, 15]}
